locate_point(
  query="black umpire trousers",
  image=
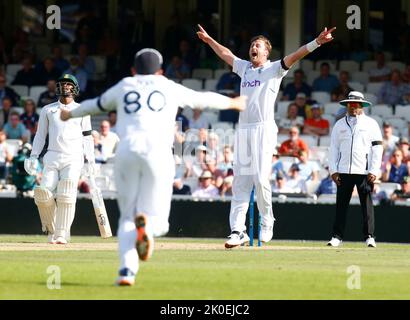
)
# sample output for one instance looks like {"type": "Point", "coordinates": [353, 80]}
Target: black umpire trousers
{"type": "Point", "coordinates": [343, 196]}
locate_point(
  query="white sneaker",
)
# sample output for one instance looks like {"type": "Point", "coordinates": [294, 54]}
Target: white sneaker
{"type": "Point", "coordinates": [126, 278]}
{"type": "Point", "coordinates": [50, 239]}
{"type": "Point", "coordinates": [61, 240]}
{"type": "Point", "coordinates": [370, 242]}
{"type": "Point", "coordinates": [236, 239]}
{"type": "Point", "coordinates": [266, 233]}
{"type": "Point", "coordinates": [334, 242]}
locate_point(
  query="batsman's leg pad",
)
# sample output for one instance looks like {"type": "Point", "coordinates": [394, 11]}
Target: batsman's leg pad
{"type": "Point", "coordinates": [66, 198]}
{"type": "Point", "coordinates": [46, 205]}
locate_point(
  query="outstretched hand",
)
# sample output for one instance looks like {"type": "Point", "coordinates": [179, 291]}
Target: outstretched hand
{"type": "Point", "coordinates": [202, 34]}
{"type": "Point", "coordinates": [325, 36]}
{"type": "Point", "coordinates": [238, 103]}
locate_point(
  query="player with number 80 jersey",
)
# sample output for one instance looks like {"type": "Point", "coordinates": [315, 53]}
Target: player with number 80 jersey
{"type": "Point", "coordinates": [146, 105]}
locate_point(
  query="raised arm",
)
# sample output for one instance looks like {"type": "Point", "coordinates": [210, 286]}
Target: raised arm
{"type": "Point", "coordinates": [324, 37]}
{"type": "Point", "coordinates": [224, 53]}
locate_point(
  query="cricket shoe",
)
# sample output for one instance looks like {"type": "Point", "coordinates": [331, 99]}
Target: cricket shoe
{"type": "Point", "coordinates": [60, 240]}
{"type": "Point", "coordinates": [370, 242]}
{"type": "Point", "coordinates": [334, 242]}
{"type": "Point", "coordinates": [126, 278]}
{"type": "Point", "coordinates": [236, 239]}
{"type": "Point", "coordinates": [266, 233]}
{"type": "Point", "coordinates": [51, 239]}
{"type": "Point", "coordinates": [145, 241]}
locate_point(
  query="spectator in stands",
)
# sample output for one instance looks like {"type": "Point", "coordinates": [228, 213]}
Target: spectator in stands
{"type": "Point", "coordinates": [188, 55]}
{"type": "Point", "coordinates": [389, 140]}
{"type": "Point", "coordinates": [395, 170]}
{"type": "Point", "coordinates": [226, 165]}
{"type": "Point", "coordinates": [77, 71]}
{"type": "Point", "coordinates": [112, 119]}
{"type": "Point", "coordinates": [107, 142]}
{"type": "Point", "coordinates": [229, 84]}
{"type": "Point", "coordinates": [48, 96]}
{"type": "Point", "coordinates": [297, 86]}
{"type": "Point", "coordinates": [183, 122]}
{"type": "Point", "coordinates": [292, 146]}
{"type": "Point", "coordinates": [196, 167]}
{"type": "Point", "coordinates": [404, 192]}
{"type": "Point", "coordinates": [29, 118]}
{"type": "Point", "coordinates": [342, 90]}
{"type": "Point", "coordinates": [5, 111]}
{"type": "Point", "coordinates": [381, 72]}
{"type": "Point", "coordinates": [7, 92]}
{"type": "Point", "coordinates": [213, 147]}
{"type": "Point", "coordinates": [6, 156]}
{"type": "Point", "coordinates": [206, 189]}
{"type": "Point", "coordinates": [295, 182]}
{"type": "Point", "coordinates": [316, 125]}
{"type": "Point", "coordinates": [21, 46]}
{"type": "Point", "coordinates": [46, 71]}
{"type": "Point", "coordinates": [179, 188]}
{"type": "Point", "coordinates": [279, 185]}
{"type": "Point", "coordinates": [277, 165]}
{"type": "Point", "coordinates": [304, 109]}
{"type": "Point", "coordinates": [226, 189]}
{"type": "Point", "coordinates": [25, 76]}
{"type": "Point", "coordinates": [394, 91]}
{"type": "Point", "coordinates": [177, 69]}
{"type": "Point", "coordinates": [327, 185]}
{"type": "Point", "coordinates": [60, 62]}
{"type": "Point", "coordinates": [198, 120]}
{"type": "Point", "coordinates": [14, 129]}
{"type": "Point", "coordinates": [406, 75]}
{"type": "Point", "coordinates": [403, 146]}
{"type": "Point", "coordinates": [326, 81]}
{"type": "Point", "coordinates": [292, 120]}
{"type": "Point", "coordinates": [86, 62]}
{"type": "Point", "coordinates": [308, 170]}
{"type": "Point", "coordinates": [4, 59]}
{"type": "Point", "coordinates": [109, 47]}
{"type": "Point", "coordinates": [217, 174]}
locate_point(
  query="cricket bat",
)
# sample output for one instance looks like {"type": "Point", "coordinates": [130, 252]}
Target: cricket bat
{"type": "Point", "coordinates": [99, 209]}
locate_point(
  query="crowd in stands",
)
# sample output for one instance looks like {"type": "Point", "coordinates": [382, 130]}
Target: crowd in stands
{"type": "Point", "coordinates": [204, 167]}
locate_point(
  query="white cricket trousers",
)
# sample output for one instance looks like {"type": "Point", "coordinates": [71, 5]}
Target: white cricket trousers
{"type": "Point", "coordinates": [144, 185]}
{"type": "Point", "coordinates": [254, 146]}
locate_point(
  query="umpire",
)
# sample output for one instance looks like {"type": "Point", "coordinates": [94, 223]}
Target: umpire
{"type": "Point", "coordinates": [355, 160]}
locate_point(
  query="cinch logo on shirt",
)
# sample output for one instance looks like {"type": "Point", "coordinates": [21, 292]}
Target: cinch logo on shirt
{"type": "Point", "coordinates": [254, 83]}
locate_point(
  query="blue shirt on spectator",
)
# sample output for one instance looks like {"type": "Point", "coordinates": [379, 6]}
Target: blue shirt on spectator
{"type": "Point", "coordinates": [15, 133]}
{"type": "Point", "coordinates": [327, 186]}
{"type": "Point", "coordinates": [325, 84]}
{"type": "Point", "coordinates": [392, 94]}
{"type": "Point", "coordinates": [398, 173]}
{"type": "Point", "coordinates": [291, 91]}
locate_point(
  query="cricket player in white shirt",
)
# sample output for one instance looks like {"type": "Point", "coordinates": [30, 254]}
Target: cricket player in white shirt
{"type": "Point", "coordinates": [146, 105]}
{"type": "Point", "coordinates": [256, 136]}
{"type": "Point", "coordinates": [68, 143]}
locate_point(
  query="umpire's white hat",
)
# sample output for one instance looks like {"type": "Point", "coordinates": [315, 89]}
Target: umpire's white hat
{"type": "Point", "coordinates": [356, 96]}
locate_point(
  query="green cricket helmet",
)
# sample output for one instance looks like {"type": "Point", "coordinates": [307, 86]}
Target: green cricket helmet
{"type": "Point", "coordinates": [67, 78]}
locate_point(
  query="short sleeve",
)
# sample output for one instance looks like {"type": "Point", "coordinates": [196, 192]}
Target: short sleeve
{"type": "Point", "coordinates": [277, 69]}
{"type": "Point", "coordinates": [239, 66]}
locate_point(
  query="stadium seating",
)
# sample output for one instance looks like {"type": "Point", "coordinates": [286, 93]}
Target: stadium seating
{"type": "Point", "coordinates": [378, 119]}
{"type": "Point", "coordinates": [210, 84]}
{"type": "Point", "coordinates": [319, 153]}
{"type": "Point", "coordinates": [330, 118]}
{"type": "Point", "coordinates": [311, 76]}
{"type": "Point", "coordinates": [368, 64]}
{"type": "Point", "coordinates": [36, 91]}
{"type": "Point", "coordinates": [396, 65]}
{"type": "Point", "coordinates": [403, 112]}
{"type": "Point", "coordinates": [282, 108]}
{"type": "Point", "coordinates": [219, 72]}
{"type": "Point", "coordinates": [389, 187]}
{"type": "Point", "coordinates": [310, 140]}
{"type": "Point", "coordinates": [321, 96]}
{"type": "Point", "coordinates": [332, 108]}
{"type": "Point", "coordinates": [324, 141]}
{"type": "Point", "coordinates": [21, 90]}
{"type": "Point", "coordinates": [193, 84]}
{"type": "Point", "coordinates": [307, 65]}
{"type": "Point", "coordinates": [202, 73]}
{"type": "Point", "coordinates": [311, 186]}
{"type": "Point", "coordinates": [382, 110]}
{"type": "Point", "coordinates": [349, 66]}
{"type": "Point", "coordinates": [222, 125]}
{"type": "Point", "coordinates": [282, 138]}
{"type": "Point", "coordinates": [397, 122]}
{"type": "Point", "coordinates": [374, 87]}
{"type": "Point", "coordinates": [12, 70]}
{"type": "Point", "coordinates": [332, 64]}
{"type": "Point", "coordinates": [360, 76]}
{"type": "Point", "coordinates": [211, 116]}
{"type": "Point", "coordinates": [371, 97]}
{"type": "Point", "coordinates": [358, 86]}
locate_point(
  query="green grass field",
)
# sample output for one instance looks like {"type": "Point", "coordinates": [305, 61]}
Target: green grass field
{"type": "Point", "coordinates": [203, 269]}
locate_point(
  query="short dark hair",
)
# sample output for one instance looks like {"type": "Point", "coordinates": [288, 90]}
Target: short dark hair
{"type": "Point", "coordinates": [325, 64]}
